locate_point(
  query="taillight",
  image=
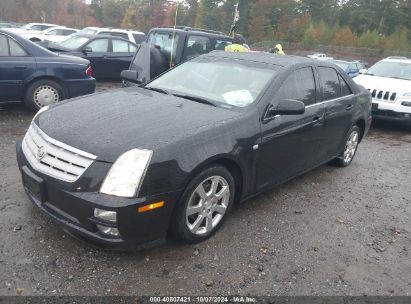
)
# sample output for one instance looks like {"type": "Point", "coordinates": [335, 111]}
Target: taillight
{"type": "Point", "coordinates": [89, 71]}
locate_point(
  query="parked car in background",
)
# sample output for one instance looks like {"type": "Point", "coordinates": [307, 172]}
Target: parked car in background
{"type": "Point", "coordinates": [8, 25]}
{"type": "Point", "coordinates": [352, 68]}
{"type": "Point", "coordinates": [33, 28]}
{"type": "Point", "coordinates": [53, 34]}
{"type": "Point", "coordinates": [389, 82]}
{"type": "Point", "coordinates": [129, 166]}
{"type": "Point", "coordinates": [320, 56]}
{"type": "Point", "coordinates": [133, 36]}
{"type": "Point", "coordinates": [165, 50]}
{"type": "Point", "coordinates": [38, 77]}
{"type": "Point", "coordinates": [108, 55]}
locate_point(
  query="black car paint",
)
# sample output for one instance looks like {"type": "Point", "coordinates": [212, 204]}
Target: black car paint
{"type": "Point", "coordinates": [18, 72]}
{"type": "Point", "coordinates": [106, 65]}
{"type": "Point", "coordinates": [260, 151]}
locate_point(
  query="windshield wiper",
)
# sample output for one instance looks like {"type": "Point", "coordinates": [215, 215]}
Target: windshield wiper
{"type": "Point", "coordinates": [157, 90]}
{"type": "Point", "coordinates": [197, 99]}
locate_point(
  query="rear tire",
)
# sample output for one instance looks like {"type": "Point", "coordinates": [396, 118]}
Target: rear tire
{"type": "Point", "coordinates": [204, 205]}
{"type": "Point", "coordinates": [350, 148]}
{"type": "Point", "coordinates": [42, 93]}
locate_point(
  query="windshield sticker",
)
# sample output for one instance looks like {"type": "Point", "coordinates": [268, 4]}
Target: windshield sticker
{"type": "Point", "coordinates": [239, 98]}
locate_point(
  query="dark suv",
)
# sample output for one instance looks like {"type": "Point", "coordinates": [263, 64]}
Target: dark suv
{"type": "Point", "coordinates": [167, 46]}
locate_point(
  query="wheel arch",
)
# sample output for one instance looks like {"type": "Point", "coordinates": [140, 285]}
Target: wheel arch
{"type": "Point", "coordinates": [228, 163]}
{"type": "Point", "coordinates": [361, 125]}
{"type": "Point", "coordinates": [46, 77]}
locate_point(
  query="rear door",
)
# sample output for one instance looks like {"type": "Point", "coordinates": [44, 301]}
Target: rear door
{"type": "Point", "coordinates": [120, 57]}
{"type": "Point", "coordinates": [99, 57]}
{"type": "Point", "coordinates": [339, 106]}
{"type": "Point", "coordinates": [16, 67]}
{"type": "Point", "coordinates": [292, 144]}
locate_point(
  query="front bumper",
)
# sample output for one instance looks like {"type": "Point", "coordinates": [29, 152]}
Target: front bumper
{"type": "Point", "coordinates": [74, 210]}
{"type": "Point", "coordinates": [390, 111]}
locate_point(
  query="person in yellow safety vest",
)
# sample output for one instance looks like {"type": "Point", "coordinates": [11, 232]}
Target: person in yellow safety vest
{"type": "Point", "coordinates": [238, 45]}
{"type": "Point", "coordinates": [279, 49]}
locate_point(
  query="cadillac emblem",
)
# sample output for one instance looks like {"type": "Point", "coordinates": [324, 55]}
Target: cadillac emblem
{"type": "Point", "coordinates": [41, 153]}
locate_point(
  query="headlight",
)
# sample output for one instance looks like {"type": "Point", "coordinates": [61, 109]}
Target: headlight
{"type": "Point", "coordinates": [43, 109]}
{"type": "Point", "coordinates": [127, 173]}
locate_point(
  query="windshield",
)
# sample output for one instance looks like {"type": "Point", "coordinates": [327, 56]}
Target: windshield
{"type": "Point", "coordinates": [74, 42]}
{"type": "Point", "coordinates": [342, 65]}
{"type": "Point", "coordinates": [225, 82]}
{"type": "Point", "coordinates": [391, 69]}
{"type": "Point", "coordinates": [87, 31]}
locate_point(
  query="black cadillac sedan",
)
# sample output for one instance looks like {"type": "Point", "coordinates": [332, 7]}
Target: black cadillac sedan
{"type": "Point", "coordinates": [125, 168]}
{"type": "Point", "coordinates": [38, 77]}
{"type": "Point", "coordinates": [108, 55]}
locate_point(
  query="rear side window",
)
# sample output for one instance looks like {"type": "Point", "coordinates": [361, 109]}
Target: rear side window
{"type": "Point", "coordinates": [139, 38]}
{"type": "Point", "coordinates": [329, 83]}
{"type": "Point", "coordinates": [4, 48]}
{"type": "Point", "coordinates": [300, 85]}
{"type": "Point", "coordinates": [120, 46]}
{"type": "Point", "coordinates": [196, 45]}
{"type": "Point", "coordinates": [345, 88]}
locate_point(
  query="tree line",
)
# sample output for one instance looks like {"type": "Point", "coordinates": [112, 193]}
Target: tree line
{"type": "Point", "coordinates": [384, 24]}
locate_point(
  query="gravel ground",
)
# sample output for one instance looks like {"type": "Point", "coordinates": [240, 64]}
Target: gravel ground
{"type": "Point", "coordinates": [329, 232]}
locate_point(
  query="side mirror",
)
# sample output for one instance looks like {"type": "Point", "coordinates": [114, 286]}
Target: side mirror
{"type": "Point", "coordinates": [286, 107]}
{"type": "Point", "coordinates": [87, 49]}
{"type": "Point", "coordinates": [130, 75]}
{"type": "Point", "coordinates": [363, 71]}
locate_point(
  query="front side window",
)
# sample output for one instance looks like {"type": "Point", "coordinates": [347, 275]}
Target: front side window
{"type": "Point", "coordinates": [300, 85]}
{"type": "Point", "coordinates": [228, 83]}
{"type": "Point", "coordinates": [329, 83]}
{"type": "Point", "coordinates": [345, 88]}
{"type": "Point", "coordinates": [196, 45]}
{"type": "Point", "coordinates": [15, 49]}
{"type": "Point", "coordinates": [36, 28]}
{"type": "Point", "coordinates": [4, 48]}
{"type": "Point", "coordinates": [98, 45]}
{"type": "Point", "coordinates": [165, 43]}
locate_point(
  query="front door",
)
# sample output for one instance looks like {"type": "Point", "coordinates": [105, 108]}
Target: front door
{"type": "Point", "coordinates": [120, 56]}
{"type": "Point", "coordinates": [97, 54]}
{"type": "Point", "coordinates": [16, 66]}
{"type": "Point", "coordinates": [339, 106]}
{"type": "Point", "coordinates": [292, 144]}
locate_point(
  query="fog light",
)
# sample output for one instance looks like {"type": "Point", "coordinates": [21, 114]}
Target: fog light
{"type": "Point", "coordinates": [111, 231]}
{"type": "Point", "coordinates": [108, 216]}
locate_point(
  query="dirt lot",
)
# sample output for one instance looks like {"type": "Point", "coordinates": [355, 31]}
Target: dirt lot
{"type": "Point", "coordinates": [330, 232]}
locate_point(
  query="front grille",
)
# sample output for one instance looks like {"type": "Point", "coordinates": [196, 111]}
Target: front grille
{"type": "Point", "coordinates": [54, 158]}
{"type": "Point", "coordinates": [383, 95]}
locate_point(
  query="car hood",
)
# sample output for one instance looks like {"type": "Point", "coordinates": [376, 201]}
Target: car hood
{"type": "Point", "coordinates": [399, 86]}
{"type": "Point", "coordinates": [109, 124]}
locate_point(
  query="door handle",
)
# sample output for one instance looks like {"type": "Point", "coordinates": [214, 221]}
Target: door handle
{"type": "Point", "coordinates": [20, 67]}
{"type": "Point", "coordinates": [317, 120]}
{"type": "Point", "coordinates": [350, 107]}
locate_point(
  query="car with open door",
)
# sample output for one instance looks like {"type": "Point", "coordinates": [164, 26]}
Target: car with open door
{"type": "Point", "coordinates": [108, 55]}
{"type": "Point", "coordinates": [174, 155]}
{"type": "Point", "coordinates": [31, 74]}
{"type": "Point", "coordinates": [168, 47]}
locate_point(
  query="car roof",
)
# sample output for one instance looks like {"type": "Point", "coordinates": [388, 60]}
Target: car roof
{"type": "Point", "coordinates": [262, 57]}
{"type": "Point", "coordinates": [102, 36]}
{"type": "Point", "coordinates": [122, 31]}
{"type": "Point", "coordinates": [397, 59]}
{"type": "Point", "coordinates": [186, 29]}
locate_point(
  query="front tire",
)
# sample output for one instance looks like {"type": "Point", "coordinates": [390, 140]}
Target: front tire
{"type": "Point", "coordinates": [42, 93]}
{"type": "Point", "coordinates": [350, 148]}
{"type": "Point", "coordinates": [204, 205]}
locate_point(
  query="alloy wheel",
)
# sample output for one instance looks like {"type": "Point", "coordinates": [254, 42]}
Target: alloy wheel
{"type": "Point", "coordinates": [351, 147]}
{"type": "Point", "coordinates": [207, 205]}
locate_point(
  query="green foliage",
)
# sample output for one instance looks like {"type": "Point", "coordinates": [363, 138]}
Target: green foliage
{"type": "Point", "coordinates": [370, 39]}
